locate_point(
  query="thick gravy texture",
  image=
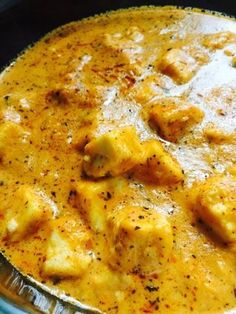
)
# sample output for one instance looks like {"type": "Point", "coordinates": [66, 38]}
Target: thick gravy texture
{"type": "Point", "coordinates": [117, 161]}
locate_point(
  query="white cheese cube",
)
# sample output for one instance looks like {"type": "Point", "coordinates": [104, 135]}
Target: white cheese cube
{"type": "Point", "coordinates": [179, 65]}
{"type": "Point", "coordinates": [173, 117]}
{"type": "Point", "coordinates": [30, 209]}
{"type": "Point", "coordinates": [112, 154]}
{"type": "Point", "coordinates": [93, 198]}
{"type": "Point", "coordinates": [157, 166]}
{"type": "Point", "coordinates": [215, 203]}
{"type": "Point", "coordinates": [62, 260]}
{"type": "Point", "coordinates": [141, 240]}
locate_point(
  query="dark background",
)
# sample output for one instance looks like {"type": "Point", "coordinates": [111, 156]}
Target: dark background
{"type": "Point", "coordinates": [24, 21]}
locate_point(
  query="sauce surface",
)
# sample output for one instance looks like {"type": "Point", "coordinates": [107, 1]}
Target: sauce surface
{"type": "Point", "coordinates": [117, 161]}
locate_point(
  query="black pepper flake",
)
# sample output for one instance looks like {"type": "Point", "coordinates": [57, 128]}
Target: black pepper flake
{"type": "Point", "coordinates": [137, 228]}
{"type": "Point", "coordinates": [151, 288]}
{"type": "Point", "coordinates": [108, 196]}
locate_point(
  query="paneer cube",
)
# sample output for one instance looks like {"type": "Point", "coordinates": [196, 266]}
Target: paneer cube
{"type": "Point", "coordinates": [157, 166]}
{"type": "Point", "coordinates": [31, 208]}
{"type": "Point", "coordinates": [173, 117]}
{"type": "Point", "coordinates": [219, 136]}
{"type": "Point", "coordinates": [93, 198]}
{"type": "Point", "coordinates": [219, 40]}
{"type": "Point", "coordinates": [14, 147]}
{"type": "Point", "coordinates": [141, 240]}
{"type": "Point", "coordinates": [179, 65]}
{"type": "Point", "coordinates": [125, 47]}
{"type": "Point", "coordinates": [62, 260]}
{"type": "Point", "coordinates": [111, 154]}
{"type": "Point", "coordinates": [90, 200]}
{"type": "Point", "coordinates": [10, 135]}
{"type": "Point", "coordinates": [83, 96]}
{"type": "Point", "coordinates": [215, 203]}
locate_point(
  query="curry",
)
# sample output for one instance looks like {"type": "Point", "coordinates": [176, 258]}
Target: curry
{"type": "Point", "coordinates": [118, 163]}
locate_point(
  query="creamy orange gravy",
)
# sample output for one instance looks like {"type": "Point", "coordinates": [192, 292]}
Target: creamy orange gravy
{"type": "Point", "coordinates": [110, 128]}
